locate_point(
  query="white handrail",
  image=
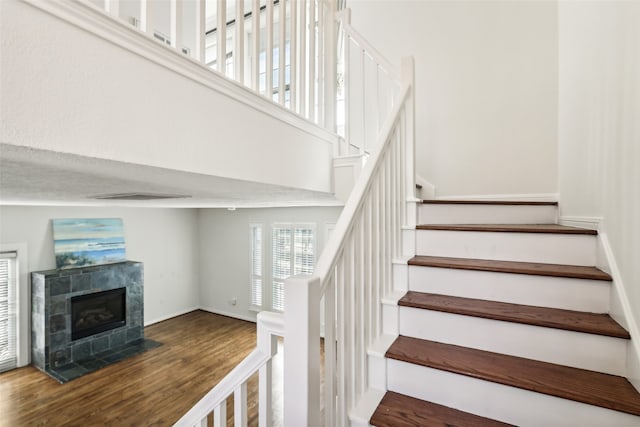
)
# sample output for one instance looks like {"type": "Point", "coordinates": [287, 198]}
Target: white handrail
{"type": "Point", "coordinates": [270, 325]}
{"type": "Point", "coordinates": [329, 255]}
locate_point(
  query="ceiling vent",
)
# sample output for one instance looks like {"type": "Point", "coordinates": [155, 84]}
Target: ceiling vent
{"type": "Point", "coordinates": [140, 196]}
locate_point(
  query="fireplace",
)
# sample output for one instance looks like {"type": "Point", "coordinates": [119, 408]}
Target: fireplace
{"type": "Point", "coordinates": [98, 312]}
{"type": "Point", "coordinates": [85, 318]}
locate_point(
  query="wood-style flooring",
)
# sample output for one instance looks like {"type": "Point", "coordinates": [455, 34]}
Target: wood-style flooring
{"type": "Point", "coordinates": [151, 389]}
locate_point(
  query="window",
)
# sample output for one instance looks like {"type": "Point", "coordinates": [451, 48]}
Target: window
{"type": "Point", "coordinates": [256, 265]}
{"type": "Point", "coordinates": [8, 356]}
{"type": "Point", "coordinates": [292, 253]}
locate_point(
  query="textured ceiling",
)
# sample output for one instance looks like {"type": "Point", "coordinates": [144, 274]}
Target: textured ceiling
{"type": "Point", "coordinates": [39, 177]}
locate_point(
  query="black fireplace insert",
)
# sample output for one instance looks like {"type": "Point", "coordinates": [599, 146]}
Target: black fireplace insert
{"type": "Point", "coordinates": [98, 312]}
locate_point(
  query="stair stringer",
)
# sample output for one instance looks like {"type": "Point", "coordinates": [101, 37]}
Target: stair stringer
{"type": "Point", "coordinates": [621, 310]}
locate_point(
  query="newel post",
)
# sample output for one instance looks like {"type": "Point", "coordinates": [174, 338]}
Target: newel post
{"type": "Point", "coordinates": [407, 72]}
{"type": "Point", "coordinates": [302, 351]}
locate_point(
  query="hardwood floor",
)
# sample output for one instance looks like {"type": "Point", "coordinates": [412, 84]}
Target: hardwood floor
{"type": "Point", "coordinates": [151, 389]}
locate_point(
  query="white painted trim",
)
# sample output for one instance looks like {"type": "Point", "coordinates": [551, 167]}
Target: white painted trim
{"type": "Point", "coordinates": [592, 223]}
{"type": "Point", "coordinates": [96, 21]}
{"type": "Point", "coordinates": [228, 314]}
{"type": "Point", "coordinates": [170, 316]}
{"type": "Point", "coordinates": [23, 327]}
{"type": "Point", "coordinates": [428, 190]}
{"type": "Point", "coordinates": [543, 197]}
{"type": "Point", "coordinates": [630, 322]}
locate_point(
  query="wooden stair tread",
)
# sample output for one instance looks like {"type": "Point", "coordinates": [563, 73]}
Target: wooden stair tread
{"type": "Point", "coordinates": [398, 410]}
{"type": "Point", "coordinates": [517, 267]}
{"type": "Point", "coordinates": [510, 228]}
{"type": "Point", "coordinates": [590, 323]}
{"type": "Point", "coordinates": [593, 388]}
{"type": "Point", "coordinates": [489, 202]}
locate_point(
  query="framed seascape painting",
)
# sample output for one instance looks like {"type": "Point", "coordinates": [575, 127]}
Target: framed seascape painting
{"type": "Point", "coordinates": [85, 242]}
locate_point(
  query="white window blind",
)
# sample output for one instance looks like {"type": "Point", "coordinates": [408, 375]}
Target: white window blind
{"type": "Point", "coordinates": [7, 311]}
{"type": "Point", "coordinates": [293, 251]}
{"type": "Point", "coordinates": [256, 265]}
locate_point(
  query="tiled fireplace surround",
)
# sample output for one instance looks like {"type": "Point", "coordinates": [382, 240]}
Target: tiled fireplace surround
{"type": "Point", "coordinates": [53, 350]}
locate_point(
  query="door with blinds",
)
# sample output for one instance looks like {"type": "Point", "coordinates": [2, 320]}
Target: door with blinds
{"type": "Point", "coordinates": [8, 303]}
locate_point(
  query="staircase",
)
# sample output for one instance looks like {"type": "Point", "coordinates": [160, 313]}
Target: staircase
{"type": "Point", "coordinates": [503, 322]}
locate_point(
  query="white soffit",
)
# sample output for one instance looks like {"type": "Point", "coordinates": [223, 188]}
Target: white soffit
{"type": "Point", "coordinates": [40, 177]}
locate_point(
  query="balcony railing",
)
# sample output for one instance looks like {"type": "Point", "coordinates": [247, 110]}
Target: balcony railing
{"type": "Point", "coordinates": [283, 50]}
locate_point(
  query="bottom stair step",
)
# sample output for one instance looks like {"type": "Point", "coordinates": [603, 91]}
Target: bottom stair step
{"type": "Point", "coordinates": [398, 410]}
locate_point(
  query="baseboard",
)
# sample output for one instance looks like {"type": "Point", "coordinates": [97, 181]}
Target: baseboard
{"type": "Point", "coordinates": [229, 314]}
{"type": "Point", "coordinates": [592, 223]}
{"type": "Point", "coordinates": [621, 309]}
{"type": "Point", "coordinates": [543, 197]}
{"type": "Point", "coordinates": [171, 316]}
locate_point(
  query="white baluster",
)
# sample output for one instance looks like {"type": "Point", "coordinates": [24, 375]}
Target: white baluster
{"type": "Point", "coordinates": [312, 60]}
{"type": "Point", "coordinates": [375, 247]}
{"type": "Point", "coordinates": [238, 51]}
{"type": "Point", "coordinates": [348, 134]}
{"type": "Point", "coordinates": [293, 55]}
{"type": "Point", "coordinates": [255, 58]}
{"type": "Point", "coordinates": [361, 310]}
{"type": "Point", "coordinates": [201, 29]}
{"type": "Point", "coordinates": [341, 333]}
{"type": "Point", "coordinates": [240, 405]}
{"type": "Point", "coordinates": [145, 17]}
{"type": "Point", "coordinates": [220, 414]}
{"type": "Point", "coordinates": [330, 65]}
{"type": "Point", "coordinates": [330, 349]}
{"type": "Point", "coordinates": [365, 145]}
{"type": "Point", "coordinates": [175, 24]}
{"type": "Point", "coordinates": [320, 60]}
{"type": "Point", "coordinates": [269, 53]}
{"type": "Point", "coordinates": [302, 58]}
{"type": "Point", "coordinates": [282, 26]}
{"type": "Point", "coordinates": [221, 34]}
{"type": "Point", "coordinates": [407, 71]}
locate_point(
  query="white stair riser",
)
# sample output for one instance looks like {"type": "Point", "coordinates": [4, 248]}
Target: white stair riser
{"type": "Point", "coordinates": [400, 276]}
{"type": "Point", "coordinates": [390, 319]}
{"type": "Point", "coordinates": [542, 291]}
{"type": "Point", "coordinates": [580, 350]}
{"type": "Point", "coordinates": [496, 401]}
{"type": "Point", "coordinates": [377, 374]}
{"type": "Point", "coordinates": [486, 214]}
{"type": "Point", "coordinates": [529, 247]}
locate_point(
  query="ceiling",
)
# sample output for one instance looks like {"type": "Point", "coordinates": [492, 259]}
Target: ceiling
{"type": "Point", "coordinates": [40, 177]}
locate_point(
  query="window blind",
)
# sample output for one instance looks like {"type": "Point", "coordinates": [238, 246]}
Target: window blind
{"type": "Point", "coordinates": [256, 265]}
{"type": "Point", "coordinates": [8, 357]}
{"type": "Point", "coordinates": [293, 251]}
{"type": "Point", "coordinates": [281, 268]}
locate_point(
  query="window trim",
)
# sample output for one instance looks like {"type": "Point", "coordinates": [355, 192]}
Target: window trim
{"type": "Point", "coordinates": [23, 305]}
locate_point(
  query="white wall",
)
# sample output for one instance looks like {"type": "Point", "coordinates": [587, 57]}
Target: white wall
{"type": "Point", "coordinates": [67, 90]}
{"type": "Point", "coordinates": [486, 79]}
{"type": "Point", "coordinates": [165, 240]}
{"type": "Point", "coordinates": [225, 264]}
{"type": "Point", "coordinates": [599, 130]}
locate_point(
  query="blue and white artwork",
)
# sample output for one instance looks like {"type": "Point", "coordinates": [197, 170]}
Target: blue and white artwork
{"type": "Point", "coordinates": [85, 242]}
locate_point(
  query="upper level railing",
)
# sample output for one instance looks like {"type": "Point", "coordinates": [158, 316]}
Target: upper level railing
{"type": "Point", "coordinates": [283, 50]}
